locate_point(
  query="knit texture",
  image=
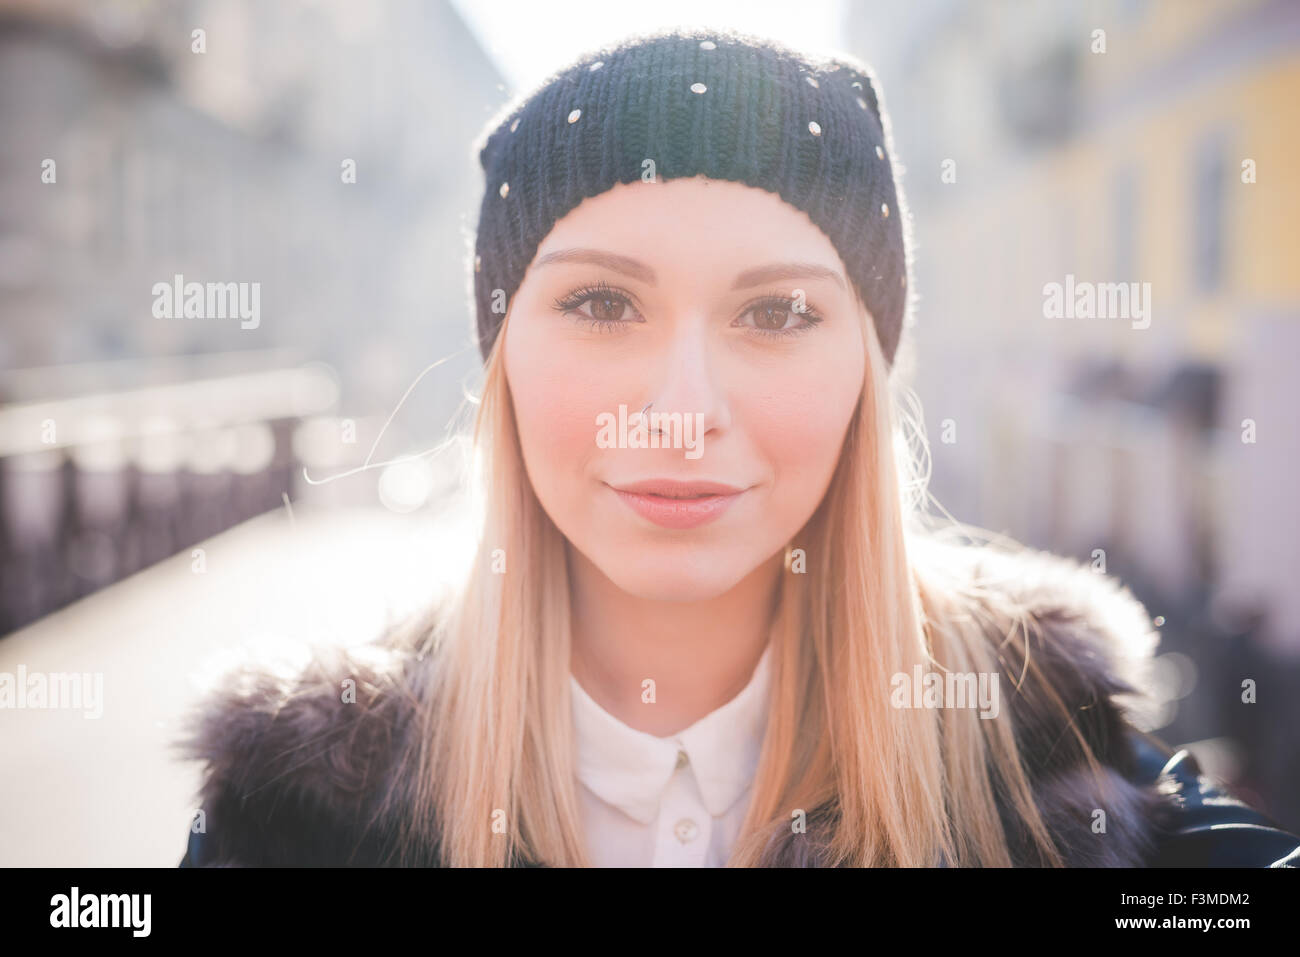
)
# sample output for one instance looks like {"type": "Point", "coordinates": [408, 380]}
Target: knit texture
{"type": "Point", "coordinates": [724, 105]}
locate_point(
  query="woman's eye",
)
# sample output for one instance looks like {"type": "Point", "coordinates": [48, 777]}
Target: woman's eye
{"type": "Point", "coordinates": [606, 308]}
{"type": "Point", "coordinates": [599, 306]}
{"type": "Point", "coordinates": [779, 317]}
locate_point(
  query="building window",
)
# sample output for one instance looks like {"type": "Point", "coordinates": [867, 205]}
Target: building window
{"type": "Point", "coordinates": [1124, 199]}
{"type": "Point", "coordinates": [1209, 182]}
{"type": "Point", "coordinates": [1132, 10]}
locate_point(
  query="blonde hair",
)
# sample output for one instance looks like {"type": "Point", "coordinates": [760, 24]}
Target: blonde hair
{"type": "Point", "coordinates": [875, 785]}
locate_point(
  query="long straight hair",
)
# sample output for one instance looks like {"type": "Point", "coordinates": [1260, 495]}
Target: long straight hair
{"type": "Point", "coordinates": [844, 778]}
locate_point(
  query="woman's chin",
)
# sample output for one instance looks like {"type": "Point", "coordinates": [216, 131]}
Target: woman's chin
{"type": "Point", "coordinates": [672, 579]}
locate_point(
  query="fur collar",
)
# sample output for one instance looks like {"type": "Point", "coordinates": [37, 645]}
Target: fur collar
{"type": "Point", "coordinates": [292, 775]}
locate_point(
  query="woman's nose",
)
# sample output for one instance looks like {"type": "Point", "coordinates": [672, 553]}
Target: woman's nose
{"type": "Point", "coordinates": [686, 380]}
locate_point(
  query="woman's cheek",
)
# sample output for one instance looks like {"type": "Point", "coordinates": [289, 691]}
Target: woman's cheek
{"type": "Point", "coordinates": [558, 412]}
{"type": "Point", "coordinates": [800, 428]}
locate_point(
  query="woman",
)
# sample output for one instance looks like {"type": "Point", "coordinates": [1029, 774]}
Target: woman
{"type": "Point", "coordinates": [703, 623]}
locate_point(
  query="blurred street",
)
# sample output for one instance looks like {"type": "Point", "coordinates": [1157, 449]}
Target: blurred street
{"type": "Point", "coordinates": [109, 791]}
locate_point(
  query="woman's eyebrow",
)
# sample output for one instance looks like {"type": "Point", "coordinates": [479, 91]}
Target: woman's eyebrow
{"type": "Point", "coordinates": [596, 257]}
{"type": "Point", "coordinates": [775, 271]}
{"type": "Point", "coordinates": [640, 271]}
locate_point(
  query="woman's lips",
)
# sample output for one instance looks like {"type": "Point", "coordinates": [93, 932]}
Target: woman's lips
{"type": "Point", "coordinates": [673, 504]}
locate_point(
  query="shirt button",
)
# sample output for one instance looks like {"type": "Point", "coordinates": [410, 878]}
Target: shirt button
{"type": "Point", "coordinates": [686, 829]}
{"type": "Point", "coordinates": [682, 759]}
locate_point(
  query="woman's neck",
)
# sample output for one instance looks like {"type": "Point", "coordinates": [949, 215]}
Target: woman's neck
{"type": "Point", "coordinates": [700, 654]}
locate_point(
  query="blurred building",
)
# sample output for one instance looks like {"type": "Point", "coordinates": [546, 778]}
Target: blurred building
{"type": "Point", "coordinates": [318, 151]}
{"type": "Point", "coordinates": [1127, 142]}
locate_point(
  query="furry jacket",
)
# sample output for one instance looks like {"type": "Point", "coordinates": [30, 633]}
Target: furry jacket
{"type": "Point", "coordinates": [293, 777]}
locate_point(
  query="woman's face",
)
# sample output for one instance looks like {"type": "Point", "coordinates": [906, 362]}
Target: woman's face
{"type": "Point", "coordinates": [727, 309]}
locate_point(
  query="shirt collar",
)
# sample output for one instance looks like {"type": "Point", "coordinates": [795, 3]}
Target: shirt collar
{"type": "Point", "coordinates": [630, 769]}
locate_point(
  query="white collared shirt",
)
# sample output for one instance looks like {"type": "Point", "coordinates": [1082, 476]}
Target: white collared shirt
{"type": "Point", "coordinates": [675, 801]}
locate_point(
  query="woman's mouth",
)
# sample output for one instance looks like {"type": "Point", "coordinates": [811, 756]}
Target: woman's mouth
{"type": "Point", "coordinates": [673, 504]}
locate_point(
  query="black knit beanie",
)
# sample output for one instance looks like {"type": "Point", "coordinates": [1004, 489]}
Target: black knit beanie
{"type": "Point", "coordinates": [719, 104]}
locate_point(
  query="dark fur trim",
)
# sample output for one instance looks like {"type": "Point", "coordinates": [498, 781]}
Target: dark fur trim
{"type": "Point", "coordinates": [1091, 642]}
{"type": "Point", "coordinates": [294, 776]}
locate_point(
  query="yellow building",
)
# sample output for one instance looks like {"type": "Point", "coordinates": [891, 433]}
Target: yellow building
{"type": "Point", "coordinates": [1120, 142]}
